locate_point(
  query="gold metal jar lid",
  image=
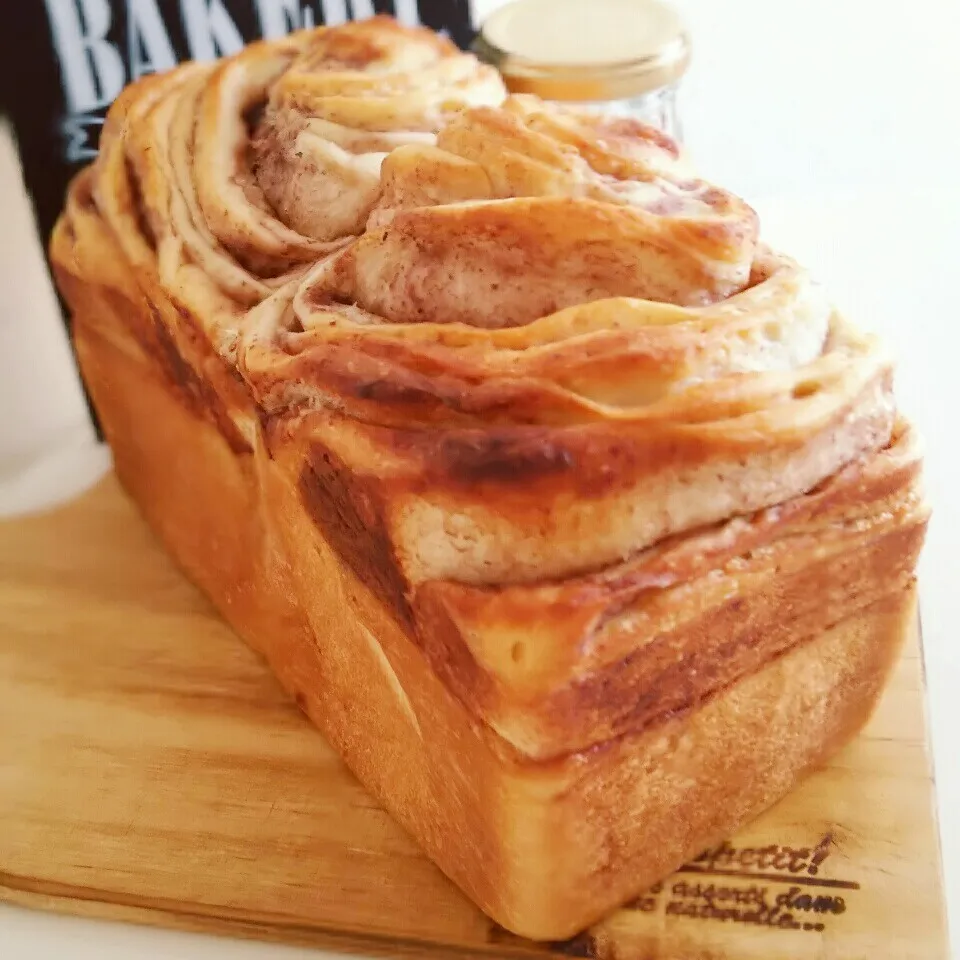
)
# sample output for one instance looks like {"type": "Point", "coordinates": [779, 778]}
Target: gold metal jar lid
{"type": "Point", "coordinates": [585, 49]}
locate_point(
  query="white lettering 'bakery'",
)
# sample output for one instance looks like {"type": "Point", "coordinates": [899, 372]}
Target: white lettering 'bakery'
{"type": "Point", "coordinates": [210, 31]}
{"type": "Point", "coordinates": [279, 17]}
{"type": "Point", "coordinates": [150, 49]}
{"type": "Point", "coordinates": [95, 63]}
{"type": "Point", "coordinates": [92, 68]}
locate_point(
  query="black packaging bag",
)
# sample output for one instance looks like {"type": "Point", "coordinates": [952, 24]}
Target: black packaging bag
{"type": "Point", "coordinates": [62, 62]}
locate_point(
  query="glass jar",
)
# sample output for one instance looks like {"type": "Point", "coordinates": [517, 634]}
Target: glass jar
{"type": "Point", "coordinates": [622, 56]}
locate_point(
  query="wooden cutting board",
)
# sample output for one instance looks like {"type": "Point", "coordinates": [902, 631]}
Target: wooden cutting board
{"type": "Point", "coordinates": [151, 770]}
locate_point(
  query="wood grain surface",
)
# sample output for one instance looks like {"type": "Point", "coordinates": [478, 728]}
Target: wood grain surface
{"type": "Point", "coordinates": [151, 770]}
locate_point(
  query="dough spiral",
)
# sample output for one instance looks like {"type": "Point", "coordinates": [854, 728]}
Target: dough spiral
{"type": "Point", "coordinates": [203, 171]}
{"type": "Point", "coordinates": [550, 299]}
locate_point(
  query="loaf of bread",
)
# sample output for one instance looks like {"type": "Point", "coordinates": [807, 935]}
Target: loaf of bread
{"type": "Point", "coordinates": [575, 517]}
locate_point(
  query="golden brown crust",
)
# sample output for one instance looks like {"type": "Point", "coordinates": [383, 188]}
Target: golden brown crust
{"type": "Point", "coordinates": [577, 564]}
{"type": "Point", "coordinates": [555, 666]}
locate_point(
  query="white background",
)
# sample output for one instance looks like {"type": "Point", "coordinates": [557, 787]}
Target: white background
{"type": "Point", "coordinates": [837, 119]}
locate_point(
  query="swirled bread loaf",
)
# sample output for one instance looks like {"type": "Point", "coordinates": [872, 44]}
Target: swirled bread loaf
{"type": "Point", "coordinates": [574, 515]}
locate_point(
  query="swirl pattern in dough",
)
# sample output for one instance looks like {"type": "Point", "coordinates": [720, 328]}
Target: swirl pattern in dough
{"type": "Point", "coordinates": [220, 182]}
{"type": "Point", "coordinates": [585, 348]}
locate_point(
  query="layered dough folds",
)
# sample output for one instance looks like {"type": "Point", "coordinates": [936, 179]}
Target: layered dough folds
{"type": "Point", "coordinates": [537, 383]}
{"type": "Point", "coordinates": [221, 182]}
{"type": "Point", "coordinates": [349, 98]}
{"type": "Point", "coordinates": [583, 348]}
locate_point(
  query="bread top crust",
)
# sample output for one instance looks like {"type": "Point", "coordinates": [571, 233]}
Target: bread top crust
{"type": "Point", "coordinates": [583, 347]}
{"type": "Point", "coordinates": [201, 169]}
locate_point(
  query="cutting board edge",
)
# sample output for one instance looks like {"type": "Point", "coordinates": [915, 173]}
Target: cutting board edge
{"type": "Point", "coordinates": [159, 913]}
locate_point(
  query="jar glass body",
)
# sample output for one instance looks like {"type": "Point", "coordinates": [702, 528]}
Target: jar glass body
{"type": "Point", "coordinates": [658, 108]}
